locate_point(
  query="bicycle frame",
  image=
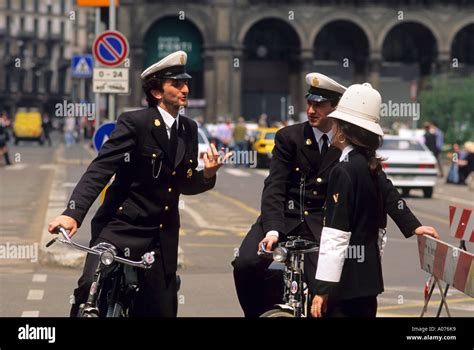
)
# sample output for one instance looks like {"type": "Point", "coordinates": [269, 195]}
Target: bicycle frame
{"type": "Point", "coordinates": [291, 253]}
{"type": "Point", "coordinates": [122, 273]}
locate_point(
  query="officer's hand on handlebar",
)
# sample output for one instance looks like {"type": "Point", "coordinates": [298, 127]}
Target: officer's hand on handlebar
{"type": "Point", "coordinates": [65, 221]}
{"type": "Point", "coordinates": [268, 242]}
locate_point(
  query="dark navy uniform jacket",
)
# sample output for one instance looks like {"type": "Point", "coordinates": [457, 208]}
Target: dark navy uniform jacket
{"type": "Point", "coordinates": [295, 189]}
{"type": "Point", "coordinates": [349, 264]}
{"type": "Point", "coordinates": [140, 210]}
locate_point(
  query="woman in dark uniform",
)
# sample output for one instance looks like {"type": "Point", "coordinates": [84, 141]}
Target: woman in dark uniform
{"type": "Point", "coordinates": [349, 271]}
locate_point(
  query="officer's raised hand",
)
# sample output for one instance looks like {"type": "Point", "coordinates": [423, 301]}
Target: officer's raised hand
{"type": "Point", "coordinates": [212, 161]}
{"type": "Point", "coordinates": [65, 221]}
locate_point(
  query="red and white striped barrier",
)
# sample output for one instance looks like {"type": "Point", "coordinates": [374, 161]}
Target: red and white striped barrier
{"type": "Point", "coordinates": [461, 223]}
{"type": "Point", "coordinates": [447, 263]}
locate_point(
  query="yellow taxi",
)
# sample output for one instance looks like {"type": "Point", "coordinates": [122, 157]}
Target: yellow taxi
{"type": "Point", "coordinates": [28, 127]}
{"type": "Point", "coordinates": [263, 145]}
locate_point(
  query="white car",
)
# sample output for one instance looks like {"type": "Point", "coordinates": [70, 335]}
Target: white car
{"type": "Point", "coordinates": [409, 164]}
{"type": "Point", "coordinates": [203, 145]}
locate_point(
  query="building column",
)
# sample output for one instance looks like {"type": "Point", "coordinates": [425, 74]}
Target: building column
{"type": "Point", "coordinates": [136, 95]}
{"type": "Point", "coordinates": [209, 86]}
{"type": "Point", "coordinates": [375, 64]}
{"type": "Point", "coordinates": [443, 63]}
{"type": "Point", "coordinates": [236, 83]}
{"type": "Point", "coordinates": [307, 66]}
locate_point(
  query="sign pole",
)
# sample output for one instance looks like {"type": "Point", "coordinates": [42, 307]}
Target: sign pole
{"type": "Point", "coordinates": [112, 27]}
{"type": "Point", "coordinates": [96, 65]}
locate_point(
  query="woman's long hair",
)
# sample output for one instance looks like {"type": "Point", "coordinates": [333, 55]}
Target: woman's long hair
{"type": "Point", "coordinates": [364, 141]}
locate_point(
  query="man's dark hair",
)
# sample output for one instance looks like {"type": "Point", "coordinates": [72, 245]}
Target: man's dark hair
{"type": "Point", "coordinates": [153, 83]}
{"type": "Point", "coordinates": [364, 141]}
{"type": "Point", "coordinates": [335, 101]}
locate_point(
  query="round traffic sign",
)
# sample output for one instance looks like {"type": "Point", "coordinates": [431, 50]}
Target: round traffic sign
{"type": "Point", "coordinates": [110, 48]}
{"type": "Point", "coordinates": [102, 134]}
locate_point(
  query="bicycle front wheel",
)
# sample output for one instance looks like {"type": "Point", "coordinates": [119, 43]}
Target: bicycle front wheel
{"type": "Point", "coordinates": [278, 313]}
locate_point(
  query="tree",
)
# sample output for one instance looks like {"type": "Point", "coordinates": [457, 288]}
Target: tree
{"type": "Point", "coordinates": [451, 105]}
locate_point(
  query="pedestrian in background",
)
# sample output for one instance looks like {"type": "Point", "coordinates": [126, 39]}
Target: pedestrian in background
{"type": "Point", "coordinates": [47, 126]}
{"type": "Point", "coordinates": [4, 136]}
{"type": "Point", "coordinates": [240, 136]}
{"type": "Point", "coordinates": [439, 145]}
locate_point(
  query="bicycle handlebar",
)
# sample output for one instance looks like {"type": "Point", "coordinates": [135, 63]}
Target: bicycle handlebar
{"type": "Point", "coordinates": [147, 259]}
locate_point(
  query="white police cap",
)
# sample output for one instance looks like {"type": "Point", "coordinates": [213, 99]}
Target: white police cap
{"type": "Point", "coordinates": [323, 88]}
{"type": "Point", "coordinates": [170, 67]}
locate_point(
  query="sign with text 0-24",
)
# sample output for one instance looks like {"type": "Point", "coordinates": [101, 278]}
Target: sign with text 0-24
{"type": "Point", "coordinates": [110, 81]}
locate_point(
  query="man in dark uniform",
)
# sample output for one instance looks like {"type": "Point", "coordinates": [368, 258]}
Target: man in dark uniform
{"type": "Point", "coordinates": [294, 194]}
{"type": "Point", "coordinates": [153, 153]}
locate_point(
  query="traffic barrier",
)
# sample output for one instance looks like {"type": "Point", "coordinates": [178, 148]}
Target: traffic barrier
{"type": "Point", "coordinates": [446, 263]}
{"type": "Point", "coordinates": [461, 223]}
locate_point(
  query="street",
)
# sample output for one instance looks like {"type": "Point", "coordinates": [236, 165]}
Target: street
{"type": "Point", "coordinates": [213, 224]}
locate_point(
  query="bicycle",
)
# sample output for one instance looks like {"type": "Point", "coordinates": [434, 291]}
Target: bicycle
{"type": "Point", "coordinates": [290, 254]}
{"type": "Point", "coordinates": [115, 281]}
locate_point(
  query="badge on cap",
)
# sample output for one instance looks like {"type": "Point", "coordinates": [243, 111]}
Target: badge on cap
{"type": "Point", "coordinates": [157, 122]}
{"type": "Point", "coordinates": [309, 142]}
{"type": "Point", "coordinates": [315, 81]}
{"type": "Point", "coordinates": [182, 59]}
{"type": "Point", "coordinates": [189, 173]}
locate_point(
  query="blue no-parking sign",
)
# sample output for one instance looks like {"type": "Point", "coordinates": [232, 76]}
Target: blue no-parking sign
{"type": "Point", "coordinates": [102, 134]}
{"type": "Point", "coordinates": [110, 48]}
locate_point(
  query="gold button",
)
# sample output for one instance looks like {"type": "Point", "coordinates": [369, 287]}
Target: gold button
{"type": "Point", "coordinates": [166, 207]}
{"type": "Point", "coordinates": [315, 192]}
{"type": "Point", "coordinates": [190, 161]}
{"type": "Point", "coordinates": [153, 155]}
{"type": "Point", "coordinates": [319, 179]}
{"type": "Point", "coordinates": [161, 225]}
{"type": "Point", "coordinates": [306, 213]}
{"type": "Point", "coordinates": [121, 208]}
{"type": "Point", "coordinates": [173, 173]}
{"type": "Point", "coordinates": [170, 189]}
{"type": "Point", "coordinates": [297, 169]}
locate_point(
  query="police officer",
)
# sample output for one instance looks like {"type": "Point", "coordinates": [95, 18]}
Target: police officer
{"type": "Point", "coordinates": [153, 153]}
{"type": "Point", "coordinates": [294, 194]}
{"type": "Point", "coordinates": [349, 270]}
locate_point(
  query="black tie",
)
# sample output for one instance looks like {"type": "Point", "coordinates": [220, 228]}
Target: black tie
{"type": "Point", "coordinates": [173, 140]}
{"type": "Point", "coordinates": [324, 148]}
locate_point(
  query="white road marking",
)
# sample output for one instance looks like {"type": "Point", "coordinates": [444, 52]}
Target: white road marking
{"type": "Point", "coordinates": [261, 172]}
{"type": "Point", "coordinates": [237, 172]}
{"type": "Point", "coordinates": [69, 184]}
{"type": "Point", "coordinates": [35, 294]}
{"type": "Point", "coordinates": [38, 277]}
{"type": "Point", "coordinates": [16, 167]}
{"type": "Point", "coordinates": [454, 199]}
{"type": "Point", "coordinates": [30, 314]}
{"type": "Point", "coordinates": [47, 166]}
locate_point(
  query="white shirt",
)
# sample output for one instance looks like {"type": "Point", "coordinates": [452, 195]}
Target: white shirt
{"type": "Point", "coordinates": [169, 120]}
{"type": "Point", "coordinates": [345, 152]}
{"type": "Point", "coordinates": [318, 135]}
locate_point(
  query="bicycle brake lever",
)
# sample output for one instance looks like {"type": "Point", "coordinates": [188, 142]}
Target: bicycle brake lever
{"type": "Point", "coordinates": [51, 242]}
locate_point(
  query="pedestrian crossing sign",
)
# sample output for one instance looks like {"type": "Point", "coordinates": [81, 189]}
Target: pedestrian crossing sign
{"type": "Point", "coordinates": [81, 66]}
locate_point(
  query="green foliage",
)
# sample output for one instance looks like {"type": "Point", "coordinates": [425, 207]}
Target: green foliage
{"type": "Point", "coordinates": [451, 105]}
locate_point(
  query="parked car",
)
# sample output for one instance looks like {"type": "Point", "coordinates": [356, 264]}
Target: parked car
{"type": "Point", "coordinates": [263, 145]}
{"type": "Point", "coordinates": [409, 164]}
{"type": "Point", "coordinates": [28, 127]}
